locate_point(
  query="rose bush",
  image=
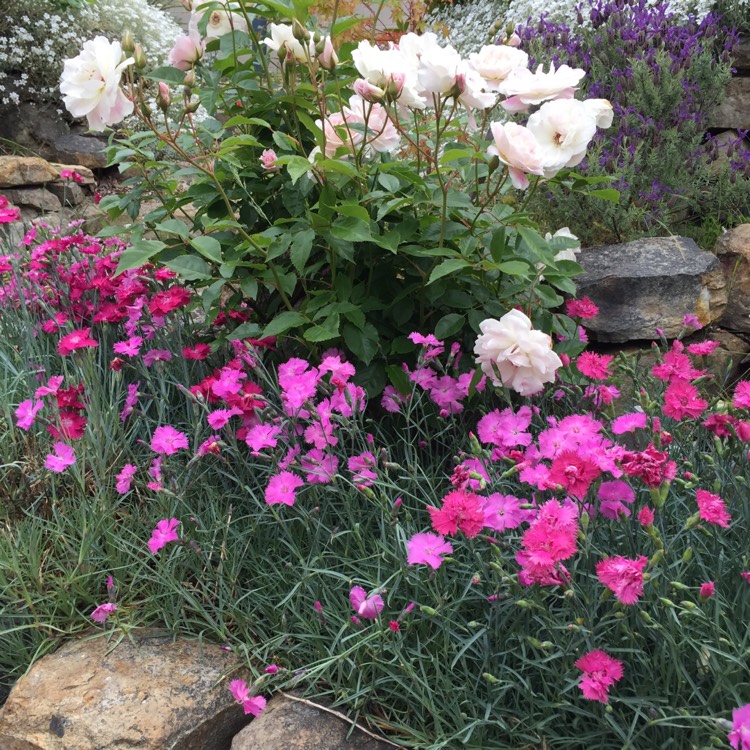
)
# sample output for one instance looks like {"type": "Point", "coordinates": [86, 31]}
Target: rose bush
{"type": "Point", "coordinates": [348, 196]}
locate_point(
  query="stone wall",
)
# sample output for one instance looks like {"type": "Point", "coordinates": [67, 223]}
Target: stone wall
{"type": "Point", "coordinates": [734, 113]}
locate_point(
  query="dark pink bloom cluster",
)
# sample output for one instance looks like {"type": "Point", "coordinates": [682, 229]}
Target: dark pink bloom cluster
{"type": "Point", "coordinates": [650, 465]}
{"type": "Point", "coordinates": [712, 509]}
{"type": "Point", "coordinates": [460, 511]}
{"type": "Point", "coordinates": [8, 215]}
{"type": "Point", "coordinates": [551, 538]}
{"type": "Point", "coordinates": [600, 673]}
{"type": "Point", "coordinates": [623, 576]}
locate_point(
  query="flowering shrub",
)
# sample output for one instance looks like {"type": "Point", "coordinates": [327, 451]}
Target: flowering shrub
{"type": "Point", "coordinates": [537, 564]}
{"type": "Point", "coordinates": [37, 35]}
{"type": "Point", "coordinates": [350, 196]}
{"type": "Point", "coordinates": [664, 78]}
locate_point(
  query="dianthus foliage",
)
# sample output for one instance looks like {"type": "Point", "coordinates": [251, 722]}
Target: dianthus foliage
{"type": "Point", "coordinates": [457, 567]}
{"type": "Point", "coordinates": [665, 78]}
{"type": "Point", "coordinates": [37, 35]}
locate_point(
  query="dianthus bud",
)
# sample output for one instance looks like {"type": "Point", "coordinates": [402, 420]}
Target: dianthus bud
{"type": "Point", "coordinates": [163, 97]}
{"type": "Point", "coordinates": [139, 56]}
{"type": "Point", "coordinates": [127, 43]}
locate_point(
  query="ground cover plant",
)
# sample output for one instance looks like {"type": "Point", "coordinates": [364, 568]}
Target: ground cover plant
{"type": "Point", "coordinates": [550, 569]}
{"type": "Point", "coordinates": [191, 441]}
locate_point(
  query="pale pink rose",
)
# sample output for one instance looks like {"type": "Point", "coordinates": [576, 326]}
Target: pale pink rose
{"type": "Point", "coordinates": [338, 135]}
{"type": "Point", "coordinates": [219, 23]}
{"type": "Point", "coordinates": [382, 135]}
{"type": "Point", "coordinates": [389, 71]}
{"type": "Point", "coordinates": [518, 148]}
{"type": "Point", "coordinates": [90, 83]}
{"type": "Point", "coordinates": [283, 41]}
{"type": "Point", "coordinates": [511, 353]}
{"type": "Point", "coordinates": [495, 61]}
{"type": "Point", "coordinates": [524, 88]}
{"type": "Point", "coordinates": [186, 52]}
{"type": "Point", "coordinates": [564, 129]}
{"type": "Point", "coordinates": [367, 91]}
{"type": "Point", "coordinates": [268, 160]}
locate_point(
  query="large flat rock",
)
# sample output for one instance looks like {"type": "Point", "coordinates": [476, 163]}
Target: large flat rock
{"type": "Point", "coordinates": [650, 284]}
{"type": "Point", "coordinates": [287, 724]}
{"type": "Point", "coordinates": [151, 693]}
{"type": "Point", "coordinates": [17, 171]}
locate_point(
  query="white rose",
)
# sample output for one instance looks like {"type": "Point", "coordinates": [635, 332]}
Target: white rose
{"type": "Point", "coordinates": [495, 61]}
{"type": "Point", "coordinates": [391, 72]}
{"type": "Point", "coordinates": [219, 23]}
{"type": "Point", "coordinates": [564, 128]}
{"type": "Point", "coordinates": [569, 253]}
{"type": "Point", "coordinates": [511, 353]}
{"type": "Point", "coordinates": [601, 110]}
{"type": "Point", "coordinates": [524, 88]}
{"type": "Point", "coordinates": [518, 148]}
{"type": "Point", "coordinates": [283, 36]}
{"type": "Point", "coordinates": [438, 68]}
{"type": "Point", "coordinates": [472, 85]}
{"type": "Point", "coordinates": [90, 83]}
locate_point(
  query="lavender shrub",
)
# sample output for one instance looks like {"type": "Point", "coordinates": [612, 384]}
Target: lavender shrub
{"type": "Point", "coordinates": [664, 79]}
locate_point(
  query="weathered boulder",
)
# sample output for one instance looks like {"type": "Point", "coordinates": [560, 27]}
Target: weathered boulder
{"type": "Point", "coordinates": [34, 197]}
{"type": "Point", "coordinates": [148, 693]}
{"type": "Point", "coordinates": [734, 111]}
{"type": "Point", "coordinates": [651, 283]}
{"type": "Point", "coordinates": [80, 149]}
{"type": "Point", "coordinates": [733, 251]}
{"type": "Point", "coordinates": [34, 125]}
{"type": "Point", "coordinates": [25, 170]}
{"type": "Point", "coordinates": [67, 192]}
{"type": "Point", "coordinates": [741, 53]}
{"type": "Point", "coordinates": [287, 724]}
{"type": "Point", "coordinates": [86, 174]}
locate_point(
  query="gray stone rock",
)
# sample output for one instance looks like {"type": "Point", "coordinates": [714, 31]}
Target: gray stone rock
{"type": "Point", "coordinates": [733, 251]}
{"type": "Point", "coordinates": [287, 724]}
{"type": "Point", "coordinates": [33, 125]}
{"type": "Point", "coordinates": [647, 284]}
{"type": "Point", "coordinates": [84, 172]}
{"type": "Point", "coordinates": [734, 111]}
{"type": "Point", "coordinates": [39, 198]}
{"type": "Point", "coordinates": [25, 170]}
{"type": "Point", "coordinates": [68, 192]}
{"type": "Point", "coordinates": [741, 55]}
{"type": "Point", "coordinates": [151, 693]}
{"type": "Point", "coordinates": [80, 149]}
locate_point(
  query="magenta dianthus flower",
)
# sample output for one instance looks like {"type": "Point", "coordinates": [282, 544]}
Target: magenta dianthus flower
{"type": "Point", "coordinates": [167, 440]}
{"type": "Point", "coordinates": [600, 672]}
{"type": "Point", "coordinates": [165, 532]}
{"type": "Point", "coordinates": [623, 576]}
{"type": "Point", "coordinates": [712, 509]}
{"type": "Point", "coordinates": [426, 549]}
{"type": "Point", "coordinates": [282, 488]}
{"type": "Point", "coordinates": [365, 605]}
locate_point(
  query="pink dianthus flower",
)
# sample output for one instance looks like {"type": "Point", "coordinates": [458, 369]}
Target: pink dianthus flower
{"type": "Point", "coordinates": [594, 366]}
{"type": "Point", "coordinates": [681, 399]}
{"type": "Point", "coordinates": [712, 509]}
{"type": "Point", "coordinates": [426, 549]}
{"type": "Point", "coordinates": [365, 605]}
{"type": "Point", "coordinates": [600, 672]}
{"type": "Point", "coordinates": [167, 440]}
{"type": "Point", "coordinates": [460, 510]}
{"type": "Point", "coordinates": [623, 576]}
{"type": "Point", "coordinates": [282, 488]}
{"type": "Point", "coordinates": [165, 532]}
